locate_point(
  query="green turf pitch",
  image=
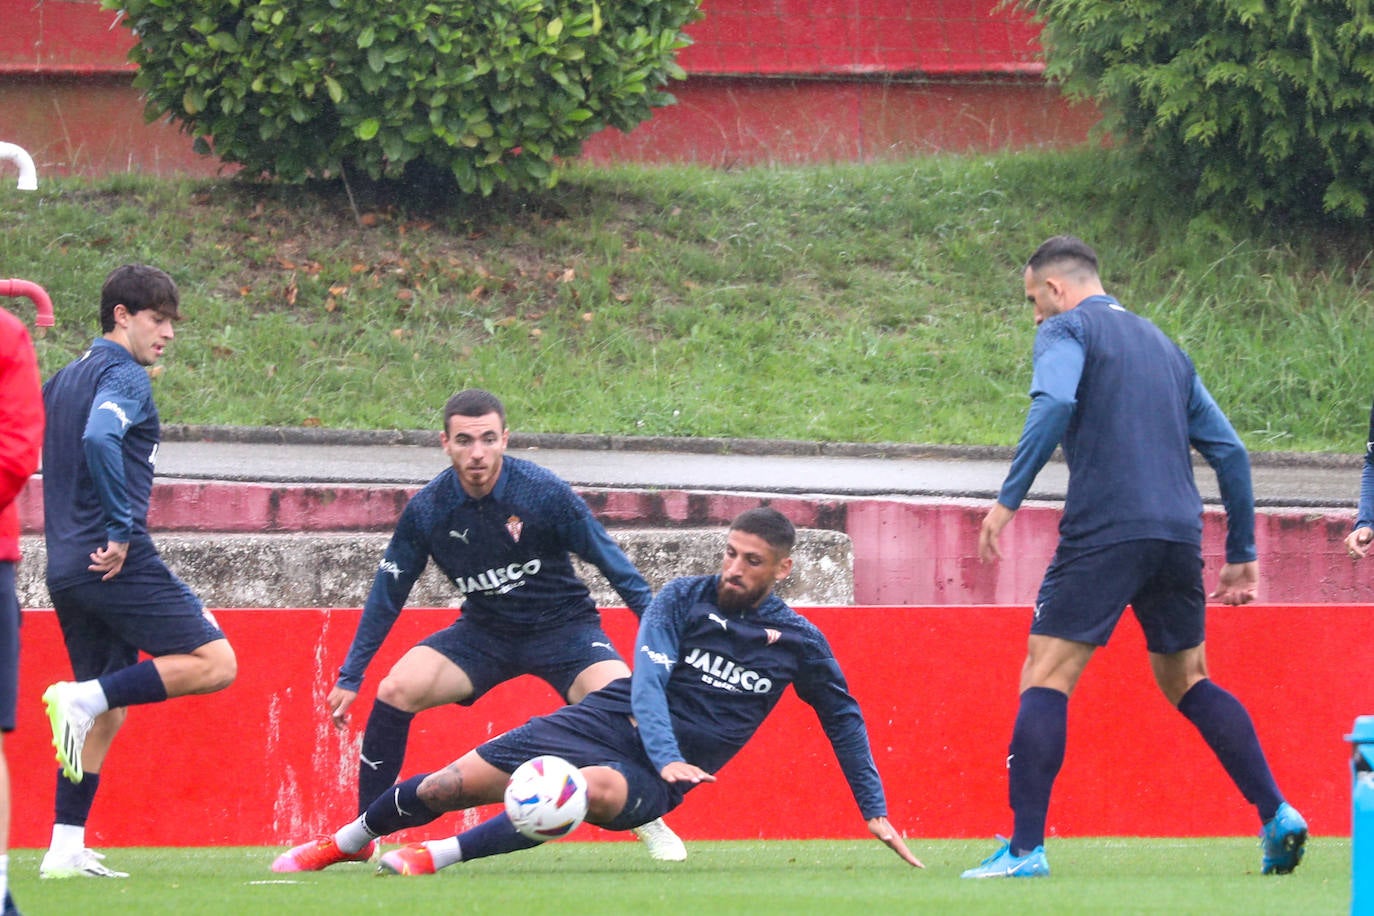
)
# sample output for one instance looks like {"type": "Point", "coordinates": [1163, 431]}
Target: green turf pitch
{"type": "Point", "coordinates": [811, 877]}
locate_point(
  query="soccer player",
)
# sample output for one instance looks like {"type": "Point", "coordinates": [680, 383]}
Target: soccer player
{"type": "Point", "coordinates": [21, 438]}
{"type": "Point", "coordinates": [1127, 405]}
{"type": "Point", "coordinates": [501, 529]}
{"type": "Point", "coordinates": [113, 594]}
{"type": "Point", "coordinates": [1358, 542]}
{"type": "Point", "coordinates": [715, 654]}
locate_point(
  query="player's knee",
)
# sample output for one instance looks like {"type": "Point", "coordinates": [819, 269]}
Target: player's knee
{"type": "Point", "coordinates": [219, 666]}
{"type": "Point", "coordinates": [401, 694]}
{"type": "Point", "coordinates": [604, 802]}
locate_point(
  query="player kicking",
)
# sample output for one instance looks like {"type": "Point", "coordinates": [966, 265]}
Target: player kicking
{"type": "Point", "coordinates": [113, 595]}
{"type": "Point", "coordinates": [501, 529]}
{"type": "Point", "coordinates": [715, 655]}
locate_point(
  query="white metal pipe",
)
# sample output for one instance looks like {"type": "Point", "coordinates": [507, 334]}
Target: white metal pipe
{"type": "Point", "coordinates": [28, 175]}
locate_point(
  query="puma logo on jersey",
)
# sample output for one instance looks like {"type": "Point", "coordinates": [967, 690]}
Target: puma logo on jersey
{"type": "Point", "coordinates": [459, 535]}
{"type": "Point", "coordinates": [724, 624]}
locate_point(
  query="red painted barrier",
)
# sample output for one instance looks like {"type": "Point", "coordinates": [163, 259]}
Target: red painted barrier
{"type": "Point", "coordinates": [790, 81]}
{"type": "Point", "coordinates": [259, 765]}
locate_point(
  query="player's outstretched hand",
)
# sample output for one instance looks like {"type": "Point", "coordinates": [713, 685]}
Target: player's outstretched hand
{"type": "Point", "coordinates": [1358, 542]}
{"type": "Point", "coordinates": [881, 828]}
{"type": "Point", "coordinates": [1238, 584]}
{"type": "Point", "coordinates": [338, 702]}
{"type": "Point", "coordinates": [681, 771]}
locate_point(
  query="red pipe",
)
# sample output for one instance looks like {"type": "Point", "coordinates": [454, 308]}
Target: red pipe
{"type": "Point", "coordinates": [32, 291]}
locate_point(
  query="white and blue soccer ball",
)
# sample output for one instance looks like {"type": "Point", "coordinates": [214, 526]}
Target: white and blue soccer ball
{"type": "Point", "coordinates": [546, 798]}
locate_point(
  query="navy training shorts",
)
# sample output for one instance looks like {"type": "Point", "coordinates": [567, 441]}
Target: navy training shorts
{"type": "Point", "coordinates": [555, 655]}
{"type": "Point", "coordinates": [587, 736]}
{"type": "Point", "coordinates": [106, 624]}
{"type": "Point", "coordinates": [1086, 589]}
{"type": "Point", "coordinates": [9, 646]}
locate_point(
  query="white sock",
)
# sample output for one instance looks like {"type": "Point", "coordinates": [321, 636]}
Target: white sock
{"type": "Point", "coordinates": [67, 839]}
{"type": "Point", "coordinates": [353, 836]}
{"type": "Point", "coordinates": [444, 852]}
{"type": "Point", "coordinates": [89, 697]}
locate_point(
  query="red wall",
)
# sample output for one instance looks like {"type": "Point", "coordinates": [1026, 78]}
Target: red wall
{"type": "Point", "coordinates": [258, 764]}
{"type": "Point", "coordinates": [791, 81]}
{"type": "Point", "coordinates": [736, 37]}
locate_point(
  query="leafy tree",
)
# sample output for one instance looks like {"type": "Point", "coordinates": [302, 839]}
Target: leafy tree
{"type": "Point", "coordinates": [1267, 104]}
{"type": "Point", "coordinates": [493, 91]}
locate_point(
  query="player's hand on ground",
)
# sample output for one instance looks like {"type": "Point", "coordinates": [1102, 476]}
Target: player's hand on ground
{"type": "Point", "coordinates": [881, 828]}
{"type": "Point", "coordinates": [1239, 583]}
{"type": "Point", "coordinates": [1358, 542]}
{"type": "Point", "coordinates": [109, 559]}
{"type": "Point", "coordinates": [338, 702]}
{"type": "Point", "coordinates": [997, 518]}
{"type": "Point", "coordinates": [681, 771]}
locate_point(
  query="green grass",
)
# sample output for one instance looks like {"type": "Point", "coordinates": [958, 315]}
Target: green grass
{"type": "Point", "coordinates": [853, 303]}
{"type": "Point", "coordinates": [1195, 876]}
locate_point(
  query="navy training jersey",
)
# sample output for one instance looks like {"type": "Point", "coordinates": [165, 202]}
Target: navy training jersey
{"type": "Point", "coordinates": [704, 680]}
{"type": "Point", "coordinates": [1128, 407]}
{"type": "Point", "coordinates": [508, 554]}
{"type": "Point", "coordinates": [99, 450]}
{"type": "Point", "coordinates": [1127, 447]}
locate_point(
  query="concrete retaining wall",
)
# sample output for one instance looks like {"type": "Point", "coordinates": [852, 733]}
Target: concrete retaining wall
{"type": "Point", "coordinates": [323, 569]}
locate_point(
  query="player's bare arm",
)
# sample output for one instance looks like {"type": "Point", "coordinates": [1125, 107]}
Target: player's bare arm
{"type": "Point", "coordinates": [881, 828]}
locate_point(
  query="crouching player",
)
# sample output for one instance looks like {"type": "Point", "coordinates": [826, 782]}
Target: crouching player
{"type": "Point", "coordinates": [644, 741]}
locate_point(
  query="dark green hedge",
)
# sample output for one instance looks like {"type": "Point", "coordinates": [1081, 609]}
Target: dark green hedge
{"type": "Point", "coordinates": [494, 90]}
{"type": "Point", "coordinates": [1264, 105]}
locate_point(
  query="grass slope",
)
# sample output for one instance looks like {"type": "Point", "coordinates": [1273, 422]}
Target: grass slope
{"type": "Point", "coordinates": [1103, 875]}
{"type": "Point", "coordinates": [859, 303]}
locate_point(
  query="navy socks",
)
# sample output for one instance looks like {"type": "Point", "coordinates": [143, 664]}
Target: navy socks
{"type": "Point", "coordinates": [383, 751]}
{"type": "Point", "coordinates": [397, 808]}
{"type": "Point", "coordinates": [1230, 733]}
{"type": "Point", "coordinates": [1033, 762]}
{"type": "Point", "coordinates": [136, 685]}
{"type": "Point", "coordinates": [74, 800]}
{"type": "Point", "coordinates": [492, 837]}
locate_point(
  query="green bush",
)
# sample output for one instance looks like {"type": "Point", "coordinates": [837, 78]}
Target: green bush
{"type": "Point", "coordinates": [495, 91]}
{"type": "Point", "coordinates": [1266, 105]}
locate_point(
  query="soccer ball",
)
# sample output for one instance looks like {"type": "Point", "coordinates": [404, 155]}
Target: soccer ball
{"type": "Point", "coordinates": [546, 798]}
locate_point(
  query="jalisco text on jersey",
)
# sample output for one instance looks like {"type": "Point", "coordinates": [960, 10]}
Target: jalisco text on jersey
{"type": "Point", "coordinates": [726, 673]}
{"type": "Point", "coordinates": [501, 579]}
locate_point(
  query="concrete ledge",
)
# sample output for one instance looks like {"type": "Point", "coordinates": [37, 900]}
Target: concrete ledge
{"type": "Point", "coordinates": [336, 569]}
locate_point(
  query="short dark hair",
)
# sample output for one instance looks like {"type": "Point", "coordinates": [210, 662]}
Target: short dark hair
{"type": "Point", "coordinates": [138, 287]}
{"type": "Point", "coordinates": [1065, 250]}
{"type": "Point", "coordinates": [473, 402]}
{"type": "Point", "coordinates": [769, 524]}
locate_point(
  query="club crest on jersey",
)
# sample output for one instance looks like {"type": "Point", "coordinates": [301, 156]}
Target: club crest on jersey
{"type": "Point", "coordinates": [771, 635]}
{"type": "Point", "coordinates": [514, 526]}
